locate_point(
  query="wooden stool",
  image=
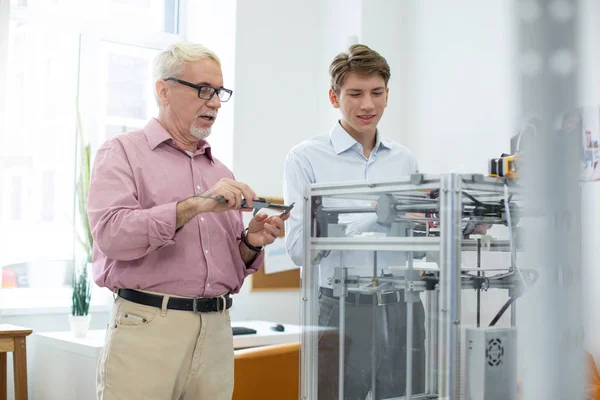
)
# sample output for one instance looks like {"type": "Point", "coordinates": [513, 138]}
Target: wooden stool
{"type": "Point", "coordinates": [12, 338]}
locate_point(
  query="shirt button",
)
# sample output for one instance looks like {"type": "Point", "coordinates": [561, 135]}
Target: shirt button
{"type": "Point", "coordinates": [201, 218]}
{"type": "Point", "coordinates": [198, 187]}
{"type": "Point", "coordinates": [206, 251]}
{"type": "Point", "coordinates": [208, 285]}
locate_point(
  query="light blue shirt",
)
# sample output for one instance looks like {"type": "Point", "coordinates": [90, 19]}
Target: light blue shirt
{"type": "Point", "coordinates": [337, 157]}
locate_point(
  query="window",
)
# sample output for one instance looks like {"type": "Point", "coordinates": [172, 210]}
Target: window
{"type": "Point", "coordinates": [60, 51]}
{"type": "Point", "coordinates": [117, 84]}
{"type": "Point", "coordinates": [153, 15]}
{"type": "Point", "coordinates": [37, 177]}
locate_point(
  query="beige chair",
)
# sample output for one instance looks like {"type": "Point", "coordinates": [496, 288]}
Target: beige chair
{"type": "Point", "coordinates": [13, 339]}
{"type": "Point", "coordinates": [268, 372]}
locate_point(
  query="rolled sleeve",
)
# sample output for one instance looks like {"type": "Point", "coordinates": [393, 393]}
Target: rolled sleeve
{"type": "Point", "coordinates": [258, 262]}
{"type": "Point", "coordinates": [162, 224]}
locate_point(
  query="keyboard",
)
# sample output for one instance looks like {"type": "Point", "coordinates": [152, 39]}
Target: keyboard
{"type": "Point", "coordinates": [241, 330]}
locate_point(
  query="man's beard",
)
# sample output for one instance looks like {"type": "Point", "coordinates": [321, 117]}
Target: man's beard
{"type": "Point", "coordinates": [199, 133]}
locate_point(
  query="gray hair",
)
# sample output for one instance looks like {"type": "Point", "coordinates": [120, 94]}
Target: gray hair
{"type": "Point", "coordinates": [170, 62]}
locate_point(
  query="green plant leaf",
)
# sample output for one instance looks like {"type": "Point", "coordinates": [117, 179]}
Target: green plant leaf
{"type": "Point", "coordinates": [81, 282]}
{"type": "Point", "coordinates": [81, 296]}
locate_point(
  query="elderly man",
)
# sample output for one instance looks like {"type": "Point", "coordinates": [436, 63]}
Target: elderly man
{"type": "Point", "coordinates": [169, 240]}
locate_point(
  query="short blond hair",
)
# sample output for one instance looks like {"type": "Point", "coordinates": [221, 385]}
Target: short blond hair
{"type": "Point", "coordinates": [169, 63]}
{"type": "Point", "coordinates": [361, 60]}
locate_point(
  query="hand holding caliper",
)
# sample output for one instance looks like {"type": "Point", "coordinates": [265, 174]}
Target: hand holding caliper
{"type": "Point", "coordinates": [229, 194]}
{"type": "Point", "coordinates": [258, 204]}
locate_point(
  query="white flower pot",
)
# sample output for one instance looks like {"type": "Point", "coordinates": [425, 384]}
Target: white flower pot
{"type": "Point", "coordinates": [80, 324]}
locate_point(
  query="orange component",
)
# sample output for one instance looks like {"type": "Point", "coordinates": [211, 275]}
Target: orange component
{"type": "Point", "coordinates": [504, 167]}
{"type": "Point", "coordinates": [593, 383]}
{"type": "Point", "coordinates": [593, 386]}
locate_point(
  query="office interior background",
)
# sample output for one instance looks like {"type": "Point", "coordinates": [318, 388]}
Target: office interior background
{"type": "Point", "coordinates": [454, 101]}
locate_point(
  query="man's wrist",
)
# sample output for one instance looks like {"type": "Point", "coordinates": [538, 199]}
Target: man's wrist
{"type": "Point", "coordinates": [186, 210]}
{"type": "Point", "coordinates": [256, 249]}
{"type": "Point", "coordinates": [200, 204]}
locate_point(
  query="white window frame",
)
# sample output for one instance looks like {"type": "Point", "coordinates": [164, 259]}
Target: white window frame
{"type": "Point", "coordinates": [25, 301]}
{"type": "Point", "coordinates": [92, 93]}
{"type": "Point", "coordinates": [4, 22]}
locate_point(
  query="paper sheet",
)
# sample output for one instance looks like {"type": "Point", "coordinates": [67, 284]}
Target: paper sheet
{"type": "Point", "coordinates": [277, 259]}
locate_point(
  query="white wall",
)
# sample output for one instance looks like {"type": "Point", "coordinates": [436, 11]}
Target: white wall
{"type": "Point", "coordinates": [277, 44]}
{"type": "Point", "coordinates": [459, 107]}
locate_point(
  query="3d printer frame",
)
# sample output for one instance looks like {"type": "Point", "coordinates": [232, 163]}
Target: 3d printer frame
{"type": "Point", "coordinates": [461, 199]}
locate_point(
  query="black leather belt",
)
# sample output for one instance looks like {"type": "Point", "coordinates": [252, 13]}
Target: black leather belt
{"type": "Point", "coordinates": [196, 304]}
{"type": "Point", "coordinates": [367, 298]}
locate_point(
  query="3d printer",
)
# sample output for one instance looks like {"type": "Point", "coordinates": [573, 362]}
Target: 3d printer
{"type": "Point", "coordinates": [406, 207]}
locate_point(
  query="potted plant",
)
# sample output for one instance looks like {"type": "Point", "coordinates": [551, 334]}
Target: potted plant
{"type": "Point", "coordinates": [81, 282]}
{"type": "Point", "coordinates": [80, 319]}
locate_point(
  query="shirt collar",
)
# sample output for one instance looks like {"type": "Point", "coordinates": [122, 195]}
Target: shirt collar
{"type": "Point", "coordinates": [342, 141]}
{"type": "Point", "coordinates": [382, 142]}
{"type": "Point", "coordinates": [157, 134]}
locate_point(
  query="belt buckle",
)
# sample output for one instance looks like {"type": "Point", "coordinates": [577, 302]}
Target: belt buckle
{"type": "Point", "coordinates": [195, 305]}
{"type": "Point", "coordinates": [223, 298]}
{"type": "Point", "coordinates": [221, 303]}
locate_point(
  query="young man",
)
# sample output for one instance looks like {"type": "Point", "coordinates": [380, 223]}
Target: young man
{"type": "Point", "coordinates": [169, 250]}
{"type": "Point", "coordinates": [354, 150]}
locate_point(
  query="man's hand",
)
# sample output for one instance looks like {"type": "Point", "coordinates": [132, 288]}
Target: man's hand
{"type": "Point", "coordinates": [264, 229]}
{"type": "Point", "coordinates": [232, 191]}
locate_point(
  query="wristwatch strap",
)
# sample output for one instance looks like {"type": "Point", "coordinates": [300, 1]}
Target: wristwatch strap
{"type": "Point", "coordinates": [248, 245]}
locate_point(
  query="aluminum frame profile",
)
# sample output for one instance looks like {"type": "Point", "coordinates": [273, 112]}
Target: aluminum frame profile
{"type": "Point", "coordinates": [443, 306]}
{"type": "Point", "coordinates": [450, 288]}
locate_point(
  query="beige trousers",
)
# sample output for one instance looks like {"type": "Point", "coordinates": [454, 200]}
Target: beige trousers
{"type": "Point", "coordinates": [161, 354]}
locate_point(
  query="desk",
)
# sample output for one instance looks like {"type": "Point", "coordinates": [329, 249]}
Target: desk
{"type": "Point", "coordinates": [65, 366]}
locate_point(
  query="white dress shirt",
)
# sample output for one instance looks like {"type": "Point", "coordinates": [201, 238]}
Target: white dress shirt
{"type": "Point", "coordinates": [337, 157]}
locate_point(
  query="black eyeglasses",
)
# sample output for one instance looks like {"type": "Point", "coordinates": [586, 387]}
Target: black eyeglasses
{"type": "Point", "coordinates": [206, 92]}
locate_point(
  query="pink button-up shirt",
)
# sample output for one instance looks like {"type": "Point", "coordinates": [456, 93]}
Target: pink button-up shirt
{"type": "Point", "coordinates": [137, 180]}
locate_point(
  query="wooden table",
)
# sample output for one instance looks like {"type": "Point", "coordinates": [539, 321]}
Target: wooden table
{"type": "Point", "coordinates": [13, 339]}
